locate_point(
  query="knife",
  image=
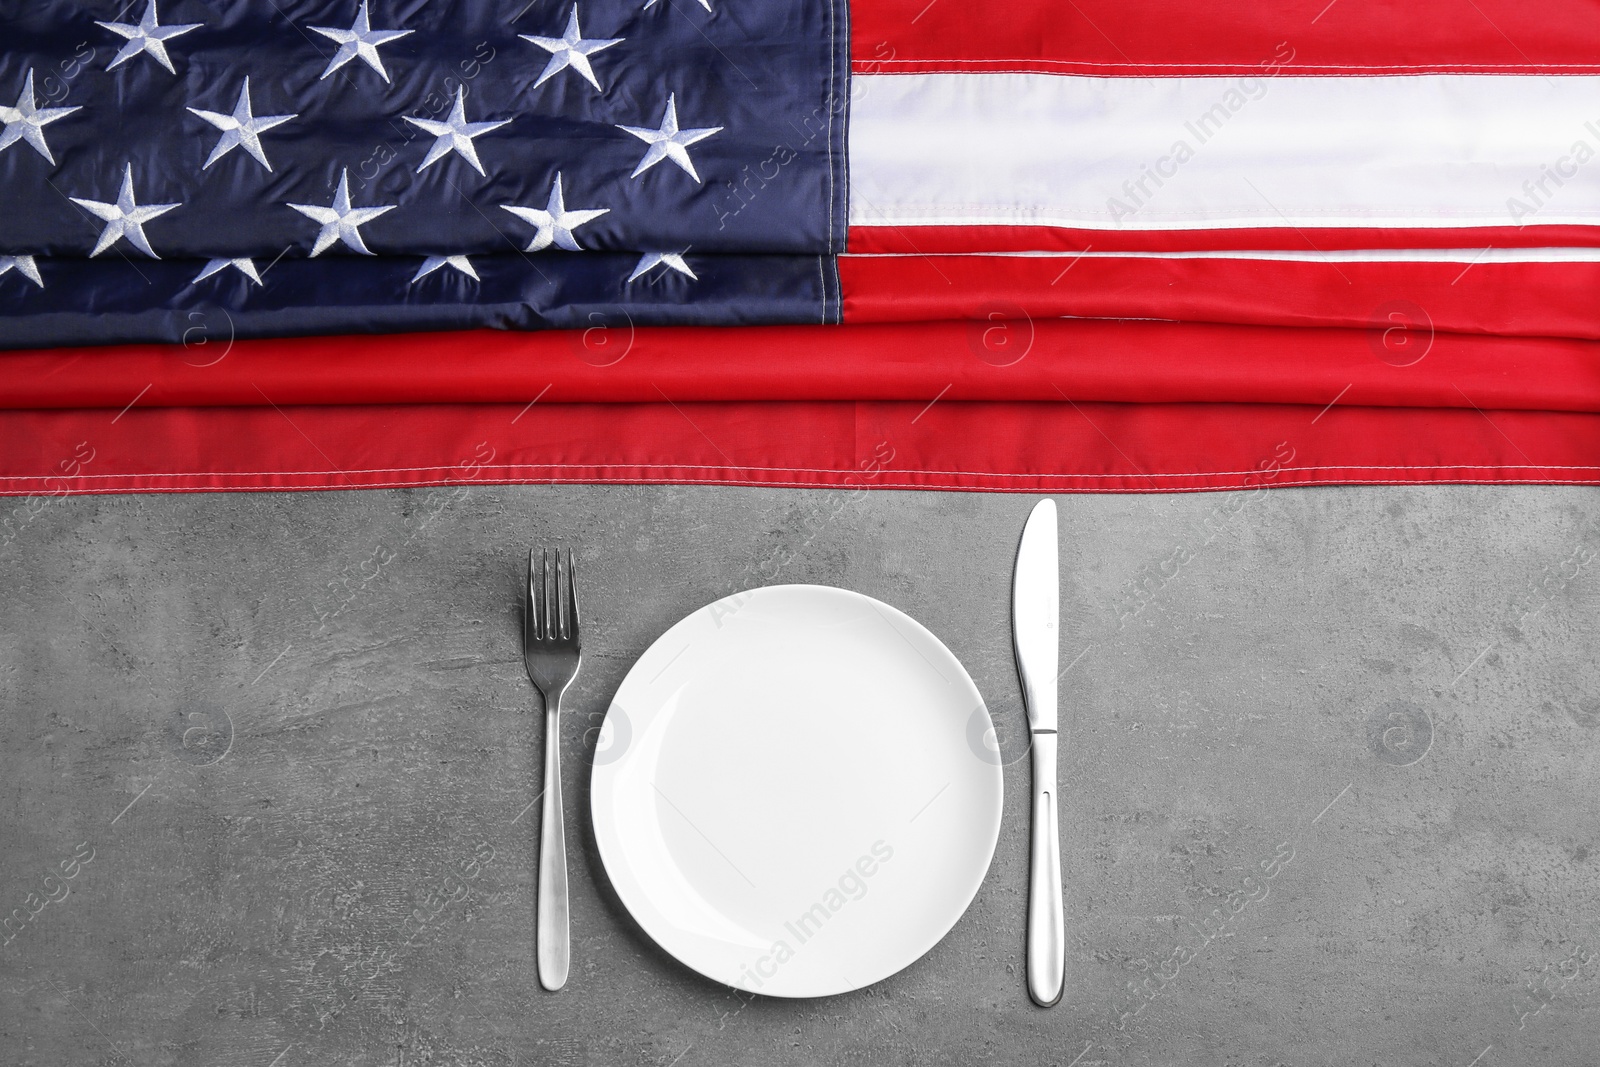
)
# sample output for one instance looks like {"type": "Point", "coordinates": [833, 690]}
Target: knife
{"type": "Point", "coordinates": [1035, 610]}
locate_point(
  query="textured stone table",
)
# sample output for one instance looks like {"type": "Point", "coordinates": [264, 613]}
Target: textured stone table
{"type": "Point", "coordinates": [1331, 778]}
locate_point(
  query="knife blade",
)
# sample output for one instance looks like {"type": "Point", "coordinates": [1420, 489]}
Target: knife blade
{"type": "Point", "coordinates": [1035, 613]}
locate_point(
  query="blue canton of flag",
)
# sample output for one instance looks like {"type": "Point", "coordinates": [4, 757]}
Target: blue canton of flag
{"type": "Point", "coordinates": [334, 165]}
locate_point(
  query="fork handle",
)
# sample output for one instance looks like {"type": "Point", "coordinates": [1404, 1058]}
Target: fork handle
{"type": "Point", "coordinates": [555, 939]}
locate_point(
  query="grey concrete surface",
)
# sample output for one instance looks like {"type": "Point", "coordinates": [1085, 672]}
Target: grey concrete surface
{"type": "Point", "coordinates": [1331, 779]}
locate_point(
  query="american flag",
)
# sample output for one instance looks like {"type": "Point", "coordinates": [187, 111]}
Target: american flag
{"type": "Point", "coordinates": [1166, 203]}
{"type": "Point", "coordinates": [313, 166]}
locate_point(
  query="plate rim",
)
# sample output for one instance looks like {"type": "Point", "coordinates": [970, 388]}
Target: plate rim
{"type": "Point", "coordinates": [992, 832]}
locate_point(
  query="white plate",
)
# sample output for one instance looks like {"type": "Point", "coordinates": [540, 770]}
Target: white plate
{"type": "Point", "coordinates": [796, 792]}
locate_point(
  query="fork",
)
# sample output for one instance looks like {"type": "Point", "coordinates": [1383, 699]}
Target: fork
{"type": "Point", "coordinates": [551, 652]}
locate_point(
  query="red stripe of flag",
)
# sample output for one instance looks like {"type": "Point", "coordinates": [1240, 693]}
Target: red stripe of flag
{"type": "Point", "coordinates": [1047, 360]}
{"type": "Point", "coordinates": [1156, 38]}
{"type": "Point", "coordinates": [1054, 447]}
{"type": "Point", "coordinates": [1549, 299]}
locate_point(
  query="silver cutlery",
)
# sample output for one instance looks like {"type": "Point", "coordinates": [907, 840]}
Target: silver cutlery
{"type": "Point", "coordinates": [551, 651]}
{"type": "Point", "coordinates": [1035, 611]}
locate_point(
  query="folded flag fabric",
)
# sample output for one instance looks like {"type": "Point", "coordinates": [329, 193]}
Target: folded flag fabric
{"type": "Point", "coordinates": [1356, 180]}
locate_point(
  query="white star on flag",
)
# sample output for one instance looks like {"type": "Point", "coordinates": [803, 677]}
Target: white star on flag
{"type": "Point", "coordinates": [555, 223]}
{"type": "Point", "coordinates": [433, 263]}
{"type": "Point", "coordinates": [455, 134]}
{"type": "Point", "coordinates": [125, 218]}
{"type": "Point", "coordinates": [671, 260]}
{"type": "Point", "coordinates": [359, 41]}
{"type": "Point", "coordinates": [668, 142]}
{"type": "Point", "coordinates": [23, 265]}
{"type": "Point", "coordinates": [705, 4]}
{"type": "Point", "coordinates": [148, 36]}
{"type": "Point", "coordinates": [25, 122]}
{"type": "Point", "coordinates": [214, 266]}
{"type": "Point", "coordinates": [341, 221]}
{"type": "Point", "coordinates": [571, 50]}
{"type": "Point", "coordinates": [240, 128]}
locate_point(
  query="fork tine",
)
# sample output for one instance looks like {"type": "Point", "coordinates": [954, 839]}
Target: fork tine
{"type": "Point", "coordinates": [572, 593]}
{"type": "Point", "coordinates": [544, 594]}
{"type": "Point", "coordinates": [530, 609]}
{"type": "Point", "coordinates": [557, 605]}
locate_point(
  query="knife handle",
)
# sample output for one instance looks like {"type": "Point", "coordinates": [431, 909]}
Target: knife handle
{"type": "Point", "coordinates": [1047, 936]}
